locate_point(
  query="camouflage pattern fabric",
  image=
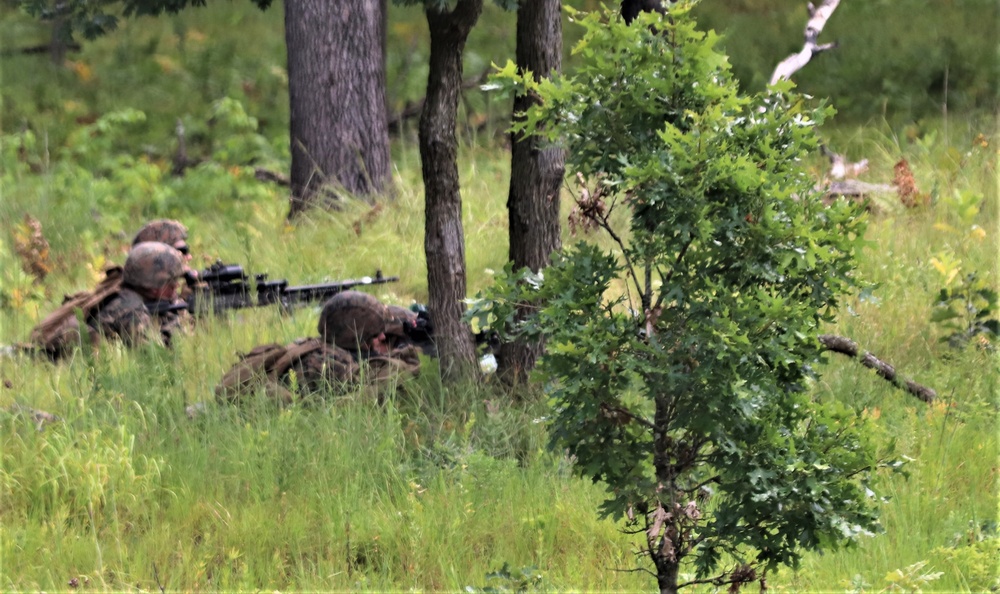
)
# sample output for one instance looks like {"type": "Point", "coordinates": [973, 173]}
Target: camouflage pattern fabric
{"type": "Point", "coordinates": [338, 361]}
{"type": "Point", "coordinates": [352, 318]}
{"type": "Point", "coordinates": [398, 321]}
{"type": "Point", "coordinates": [123, 316]}
{"type": "Point", "coordinates": [251, 373]}
{"type": "Point", "coordinates": [166, 231]}
{"type": "Point", "coordinates": [59, 333]}
{"type": "Point", "coordinates": [383, 376]}
{"type": "Point", "coordinates": [325, 369]}
{"type": "Point", "coordinates": [403, 329]}
{"type": "Point", "coordinates": [151, 265]}
{"type": "Point", "coordinates": [308, 365]}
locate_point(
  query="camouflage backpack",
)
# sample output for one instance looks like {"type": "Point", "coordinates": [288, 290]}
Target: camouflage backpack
{"type": "Point", "coordinates": [59, 332]}
{"type": "Point", "coordinates": [265, 367]}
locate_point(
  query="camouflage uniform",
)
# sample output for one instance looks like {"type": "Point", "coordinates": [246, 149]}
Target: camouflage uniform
{"type": "Point", "coordinates": [307, 365]}
{"type": "Point", "coordinates": [174, 234]}
{"type": "Point", "coordinates": [149, 266]}
{"type": "Point", "coordinates": [406, 327]}
{"type": "Point", "coordinates": [115, 307]}
{"type": "Point", "coordinates": [339, 359]}
{"type": "Point", "coordinates": [352, 321]}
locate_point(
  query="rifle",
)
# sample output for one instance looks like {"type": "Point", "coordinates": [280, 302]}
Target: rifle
{"type": "Point", "coordinates": [162, 308]}
{"type": "Point", "coordinates": [228, 286]}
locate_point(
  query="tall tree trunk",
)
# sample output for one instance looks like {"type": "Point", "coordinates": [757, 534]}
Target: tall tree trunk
{"type": "Point", "coordinates": [59, 40]}
{"type": "Point", "coordinates": [667, 573]}
{"type": "Point", "coordinates": [444, 239]}
{"type": "Point", "coordinates": [336, 87]}
{"type": "Point", "coordinates": [536, 172]}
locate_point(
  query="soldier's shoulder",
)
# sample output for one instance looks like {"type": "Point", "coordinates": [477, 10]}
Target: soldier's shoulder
{"type": "Point", "coordinates": [125, 302]}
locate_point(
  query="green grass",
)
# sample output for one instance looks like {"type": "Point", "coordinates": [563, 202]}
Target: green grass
{"type": "Point", "coordinates": [438, 489]}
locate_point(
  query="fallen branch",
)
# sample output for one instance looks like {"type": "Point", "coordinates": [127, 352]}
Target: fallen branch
{"type": "Point", "coordinates": [38, 49]}
{"type": "Point", "coordinates": [846, 346]}
{"type": "Point", "coordinates": [840, 167]}
{"type": "Point", "coordinates": [271, 176]}
{"type": "Point", "coordinates": [817, 20]}
{"type": "Point", "coordinates": [855, 188]}
{"type": "Point", "coordinates": [39, 417]}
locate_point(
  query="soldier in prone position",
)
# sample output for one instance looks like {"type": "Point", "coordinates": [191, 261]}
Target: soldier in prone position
{"type": "Point", "coordinates": [352, 350]}
{"type": "Point", "coordinates": [118, 307]}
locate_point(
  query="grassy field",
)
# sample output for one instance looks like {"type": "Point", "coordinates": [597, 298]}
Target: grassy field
{"type": "Point", "coordinates": [440, 489]}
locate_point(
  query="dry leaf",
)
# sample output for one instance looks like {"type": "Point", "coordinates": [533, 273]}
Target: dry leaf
{"type": "Point", "coordinates": [32, 247]}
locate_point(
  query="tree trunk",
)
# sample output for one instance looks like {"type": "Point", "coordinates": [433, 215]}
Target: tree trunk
{"type": "Point", "coordinates": [536, 172]}
{"type": "Point", "coordinates": [337, 101]}
{"type": "Point", "coordinates": [444, 240]}
{"type": "Point", "coordinates": [59, 41]}
{"type": "Point", "coordinates": [666, 576]}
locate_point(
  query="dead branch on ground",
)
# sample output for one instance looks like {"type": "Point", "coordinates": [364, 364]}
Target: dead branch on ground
{"type": "Point", "coordinates": [846, 346]}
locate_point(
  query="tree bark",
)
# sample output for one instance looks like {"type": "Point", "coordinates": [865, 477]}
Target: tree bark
{"type": "Point", "coordinates": [444, 240]}
{"type": "Point", "coordinates": [337, 100]}
{"type": "Point", "coordinates": [666, 576]}
{"type": "Point", "coordinates": [536, 171]}
{"type": "Point", "coordinates": [818, 15]}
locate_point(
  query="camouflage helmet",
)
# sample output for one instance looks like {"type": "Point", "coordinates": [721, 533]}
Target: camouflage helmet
{"type": "Point", "coordinates": [166, 231]}
{"type": "Point", "coordinates": [352, 319]}
{"type": "Point", "coordinates": [151, 265]}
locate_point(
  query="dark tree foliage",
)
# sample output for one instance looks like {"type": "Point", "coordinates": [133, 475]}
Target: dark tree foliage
{"type": "Point", "coordinates": [633, 8]}
{"type": "Point", "coordinates": [92, 18]}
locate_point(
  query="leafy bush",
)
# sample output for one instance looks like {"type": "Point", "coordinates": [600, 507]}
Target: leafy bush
{"type": "Point", "coordinates": [99, 177]}
{"type": "Point", "coordinates": [676, 360]}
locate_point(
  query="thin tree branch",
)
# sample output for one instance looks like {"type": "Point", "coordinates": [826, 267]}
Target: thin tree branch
{"type": "Point", "coordinates": [262, 174]}
{"type": "Point", "coordinates": [38, 49]}
{"type": "Point", "coordinates": [156, 576]}
{"type": "Point", "coordinates": [670, 275]}
{"type": "Point", "coordinates": [817, 20]}
{"type": "Point", "coordinates": [846, 346]}
{"type": "Point", "coordinates": [610, 411]}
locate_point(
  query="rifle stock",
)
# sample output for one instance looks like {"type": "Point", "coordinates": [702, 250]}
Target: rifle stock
{"type": "Point", "coordinates": [161, 308]}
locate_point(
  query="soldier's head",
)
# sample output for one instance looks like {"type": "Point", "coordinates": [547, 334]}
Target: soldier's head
{"type": "Point", "coordinates": [153, 269]}
{"type": "Point", "coordinates": [167, 231]}
{"type": "Point", "coordinates": [354, 321]}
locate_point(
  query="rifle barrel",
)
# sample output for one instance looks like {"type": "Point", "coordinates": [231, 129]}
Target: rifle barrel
{"type": "Point", "coordinates": [323, 291]}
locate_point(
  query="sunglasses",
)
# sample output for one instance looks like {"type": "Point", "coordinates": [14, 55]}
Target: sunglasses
{"type": "Point", "coordinates": [183, 249]}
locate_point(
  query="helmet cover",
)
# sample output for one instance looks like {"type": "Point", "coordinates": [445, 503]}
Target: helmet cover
{"type": "Point", "coordinates": [351, 319]}
{"type": "Point", "coordinates": [151, 265]}
{"type": "Point", "coordinates": [166, 231]}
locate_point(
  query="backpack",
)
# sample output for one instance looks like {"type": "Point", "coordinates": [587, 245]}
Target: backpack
{"type": "Point", "coordinates": [264, 366]}
{"type": "Point", "coordinates": [59, 332]}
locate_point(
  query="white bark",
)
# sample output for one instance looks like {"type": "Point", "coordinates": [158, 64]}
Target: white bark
{"type": "Point", "coordinates": [817, 20]}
